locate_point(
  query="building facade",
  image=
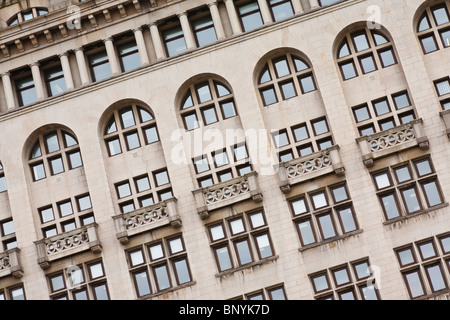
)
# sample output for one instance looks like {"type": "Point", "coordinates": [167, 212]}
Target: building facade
{"type": "Point", "coordinates": [203, 149]}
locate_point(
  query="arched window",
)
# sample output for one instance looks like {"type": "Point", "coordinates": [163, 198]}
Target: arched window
{"type": "Point", "coordinates": [364, 51]}
{"type": "Point", "coordinates": [434, 24]}
{"type": "Point", "coordinates": [129, 128]}
{"type": "Point", "coordinates": [285, 77]}
{"type": "Point", "coordinates": [209, 100]}
{"type": "Point", "coordinates": [26, 15]}
{"type": "Point", "coordinates": [53, 153]}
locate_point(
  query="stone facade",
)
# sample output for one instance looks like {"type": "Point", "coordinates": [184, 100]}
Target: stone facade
{"type": "Point", "coordinates": [236, 60]}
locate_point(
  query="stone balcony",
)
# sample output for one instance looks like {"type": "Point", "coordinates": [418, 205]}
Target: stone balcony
{"type": "Point", "coordinates": [161, 214]}
{"type": "Point", "coordinates": [445, 115]}
{"type": "Point", "coordinates": [390, 141]}
{"type": "Point", "coordinates": [67, 244]}
{"type": "Point", "coordinates": [309, 167]}
{"type": "Point", "coordinates": [10, 263]}
{"type": "Point", "coordinates": [227, 193]}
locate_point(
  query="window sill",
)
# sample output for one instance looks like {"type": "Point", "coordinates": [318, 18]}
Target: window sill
{"type": "Point", "coordinates": [159, 293]}
{"type": "Point", "coordinates": [330, 240]}
{"type": "Point", "coordinates": [445, 291]}
{"type": "Point", "coordinates": [247, 266]}
{"type": "Point", "coordinates": [412, 215]}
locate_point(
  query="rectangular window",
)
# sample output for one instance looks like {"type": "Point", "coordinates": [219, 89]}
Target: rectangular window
{"type": "Point", "coordinates": [250, 16]}
{"type": "Point", "coordinates": [281, 9]}
{"type": "Point", "coordinates": [174, 41]}
{"type": "Point", "coordinates": [54, 79]}
{"type": "Point", "coordinates": [26, 91]}
{"type": "Point", "coordinates": [204, 31]}
{"type": "Point", "coordinates": [129, 56]}
{"type": "Point", "coordinates": [99, 65]}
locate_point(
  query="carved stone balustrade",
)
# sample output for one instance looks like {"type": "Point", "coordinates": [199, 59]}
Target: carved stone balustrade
{"type": "Point", "coordinates": [309, 167]}
{"type": "Point", "coordinates": [390, 141]}
{"type": "Point", "coordinates": [67, 244]}
{"type": "Point", "coordinates": [148, 218]}
{"type": "Point", "coordinates": [10, 263]}
{"type": "Point", "coordinates": [445, 115]}
{"type": "Point", "coordinates": [226, 193]}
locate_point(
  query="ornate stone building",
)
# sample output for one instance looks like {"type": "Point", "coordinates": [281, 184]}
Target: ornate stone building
{"type": "Point", "coordinates": [203, 149]}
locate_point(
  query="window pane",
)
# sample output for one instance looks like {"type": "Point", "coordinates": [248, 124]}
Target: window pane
{"type": "Point", "coordinates": [209, 115]}
{"type": "Point", "coordinates": [57, 283]}
{"type": "Point", "coordinates": [243, 252]}
{"type": "Point", "coordinates": [432, 193]}
{"type": "Point", "coordinates": [84, 203]}
{"type": "Point", "coordinates": [17, 294]}
{"type": "Point", "coordinates": [28, 96]}
{"type": "Point", "coordinates": [156, 251]}
{"type": "Point", "coordinates": [411, 201]}
{"type": "Point", "coordinates": [379, 39]}
{"type": "Point", "coordinates": [387, 58]}
{"type": "Point", "coordinates": [382, 180]}
{"type": "Point", "coordinates": [443, 87]}
{"type": "Point", "coordinates": [320, 283]}
{"type": "Point", "coordinates": [237, 226]}
{"type": "Point", "coordinates": [75, 160]}
{"type": "Point", "coordinates": [423, 24]}
{"type": "Point", "coordinates": [240, 152]}
{"type": "Point", "coordinates": [123, 190]}
{"type": "Point", "coordinates": [277, 294]}
{"type": "Point", "coordinates": [306, 232]}
{"type": "Point", "coordinates": [136, 258]}
{"type": "Point", "coordinates": [142, 283]}
{"type": "Point", "coordinates": [114, 147]}
{"type": "Point", "coordinates": [223, 257]}
{"type": "Point", "coordinates": [207, 35]}
{"type": "Point", "coordinates": [96, 271]}
{"type": "Point", "coordinates": [281, 68]}
{"type": "Point", "coordinates": [406, 257]}
{"type": "Point", "coordinates": [264, 247]}
{"type": "Point", "coordinates": [348, 70]}
{"type": "Point", "coordinates": [176, 245]}
{"type": "Point", "coordinates": [281, 11]}
{"type": "Point", "coordinates": [101, 71]}
{"type": "Point", "coordinates": [414, 283]}
{"type": "Point", "coordinates": [361, 42]}
{"type": "Point", "coordinates": [47, 215]}
{"type": "Point", "coordinates": [362, 270]}
{"type": "Point", "coordinates": [390, 206]}
{"type": "Point", "coordinates": [440, 16]}
{"type": "Point", "coordinates": [142, 184]}
{"type": "Point", "coordinates": [299, 206]}
{"type": "Point", "coordinates": [101, 292]}
{"type": "Point", "coordinates": [319, 200]}
{"type": "Point", "coordinates": [65, 209]}
{"type": "Point", "coordinates": [249, 20]}
{"type": "Point", "coordinates": [445, 242]}
{"type": "Point", "coordinates": [182, 271]}
{"type": "Point", "coordinates": [52, 142]}
{"type": "Point", "coordinates": [344, 50]}
{"type": "Point", "coordinates": [222, 90]}
{"type": "Point", "coordinates": [38, 171]}
{"type": "Point", "coordinates": [201, 164]}
{"type": "Point", "coordinates": [217, 232]}
{"type": "Point", "coordinates": [265, 76]}
{"type": "Point", "coordinates": [203, 93]}
{"type": "Point", "coordinates": [428, 44]}
{"type": "Point", "coordinates": [57, 86]}
{"type": "Point", "coordinates": [257, 220]}
{"type": "Point", "coordinates": [300, 133]}
{"type": "Point", "coordinates": [161, 178]}
{"type": "Point", "coordinates": [129, 56]}
{"type": "Point", "coordinates": [381, 107]}
{"type": "Point", "coordinates": [269, 96]}
{"type": "Point", "coordinates": [228, 109]}
{"type": "Point", "coordinates": [423, 167]}
{"type": "Point", "coordinates": [327, 226]}
{"type": "Point", "coordinates": [445, 36]}
{"type": "Point", "coordinates": [280, 138]}
{"type": "Point", "coordinates": [7, 228]}
{"type": "Point", "coordinates": [80, 295]}
{"type": "Point", "coordinates": [56, 165]}
{"type": "Point", "coordinates": [348, 295]}
{"type": "Point", "coordinates": [401, 101]}
{"type": "Point", "coordinates": [361, 113]}
{"type": "Point", "coordinates": [174, 40]}
{"type": "Point", "coordinates": [436, 278]}
{"type": "Point", "coordinates": [369, 293]}
{"type": "Point", "coordinates": [341, 276]}
{"type": "Point", "coordinates": [307, 84]}
{"type": "Point", "coordinates": [427, 250]}
{"type": "Point", "coordinates": [191, 121]}
{"type": "Point", "coordinates": [288, 90]}
{"type": "Point", "coordinates": [339, 194]}
{"type": "Point", "coordinates": [347, 219]}
{"type": "Point", "coordinates": [320, 127]}
{"type": "Point", "coordinates": [162, 277]}
{"type": "Point", "coordinates": [402, 174]}
{"type": "Point", "coordinates": [305, 150]}
{"type": "Point", "coordinates": [368, 64]}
